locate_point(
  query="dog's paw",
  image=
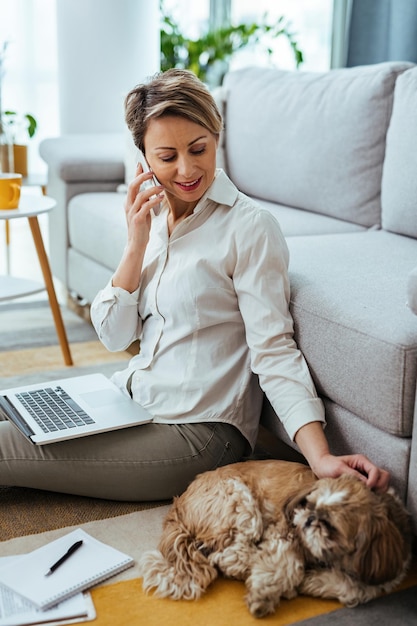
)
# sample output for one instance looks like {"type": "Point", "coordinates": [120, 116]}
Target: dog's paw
{"type": "Point", "coordinates": [157, 574]}
{"type": "Point", "coordinates": [178, 580]}
{"type": "Point", "coordinates": [290, 594]}
{"type": "Point", "coordinates": [261, 607]}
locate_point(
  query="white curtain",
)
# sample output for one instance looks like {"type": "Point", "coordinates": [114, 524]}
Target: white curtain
{"type": "Point", "coordinates": [29, 83]}
{"type": "Point", "coordinates": [78, 85]}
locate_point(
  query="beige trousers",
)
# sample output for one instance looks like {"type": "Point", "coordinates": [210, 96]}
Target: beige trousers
{"type": "Point", "coordinates": [142, 463]}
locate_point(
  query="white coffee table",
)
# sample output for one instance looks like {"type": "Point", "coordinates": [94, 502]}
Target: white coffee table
{"type": "Point", "coordinates": [11, 287]}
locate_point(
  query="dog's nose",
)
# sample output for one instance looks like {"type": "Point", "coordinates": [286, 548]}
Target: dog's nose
{"type": "Point", "coordinates": [310, 520]}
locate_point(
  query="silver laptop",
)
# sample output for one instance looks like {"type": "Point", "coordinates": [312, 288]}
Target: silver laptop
{"type": "Point", "coordinates": [70, 408]}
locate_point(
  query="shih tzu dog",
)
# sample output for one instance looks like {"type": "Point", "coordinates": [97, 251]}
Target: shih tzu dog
{"type": "Point", "coordinates": [276, 526]}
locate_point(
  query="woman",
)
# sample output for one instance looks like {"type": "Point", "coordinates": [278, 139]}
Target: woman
{"type": "Point", "coordinates": [203, 285]}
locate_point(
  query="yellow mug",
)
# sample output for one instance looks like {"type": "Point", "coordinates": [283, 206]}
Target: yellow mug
{"type": "Point", "coordinates": [10, 186]}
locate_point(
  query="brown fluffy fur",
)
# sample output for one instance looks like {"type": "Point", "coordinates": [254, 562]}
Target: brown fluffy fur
{"type": "Point", "coordinates": [282, 531]}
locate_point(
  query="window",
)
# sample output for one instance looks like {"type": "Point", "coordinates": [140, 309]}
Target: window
{"type": "Point", "coordinates": [311, 23]}
{"type": "Point", "coordinates": [191, 16]}
{"type": "Point", "coordinates": [30, 67]}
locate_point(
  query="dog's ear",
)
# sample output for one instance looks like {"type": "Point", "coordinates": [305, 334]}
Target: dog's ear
{"type": "Point", "coordinates": [382, 547]}
{"type": "Point", "coordinates": [295, 501]}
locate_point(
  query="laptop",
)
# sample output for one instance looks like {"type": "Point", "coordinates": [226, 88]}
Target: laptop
{"type": "Point", "coordinates": [69, 408]}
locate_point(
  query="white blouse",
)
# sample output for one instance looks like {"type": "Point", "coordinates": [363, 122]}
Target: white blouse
{"type": "Point", "coordinates": [212, 316]}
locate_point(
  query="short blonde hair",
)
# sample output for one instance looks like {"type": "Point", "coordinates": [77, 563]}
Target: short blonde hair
{"type": "Point", "coordinates": [175, 92]}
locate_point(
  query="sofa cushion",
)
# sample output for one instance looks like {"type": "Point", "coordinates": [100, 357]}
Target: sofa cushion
{"type": "Point", "coordinates": [349, 303]}
{"type": "Point", "coordinates": [399, 180]}
{"type": "Point", "coordinates": [97, 227]}
{"type": "Point", "coordinates": [311, 140]}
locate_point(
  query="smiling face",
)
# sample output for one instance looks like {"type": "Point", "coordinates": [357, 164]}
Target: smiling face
{"type": "Point", "coordinates": [182, 155]}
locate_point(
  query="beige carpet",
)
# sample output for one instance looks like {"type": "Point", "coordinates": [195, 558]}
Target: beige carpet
{"type": "Point", "coordinates": [49, 358]}
{"type": "Point", "coordinates": [132, 533]}
{"type": "Point", "coordinates": [122, 601]}
{"type": "Point", "coordinates": [31, 511]}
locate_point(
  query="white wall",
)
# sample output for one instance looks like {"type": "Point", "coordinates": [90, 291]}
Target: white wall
{"type": "Point", "coordinates": [105, 47]}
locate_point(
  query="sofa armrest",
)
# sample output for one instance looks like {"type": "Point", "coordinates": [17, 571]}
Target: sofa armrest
{"type": "Point", "coordinates": [82, 158]}
{"type": "Point", "coordinates": [412, 290]}
{"type": "Point", "coordinates": [78, 164]}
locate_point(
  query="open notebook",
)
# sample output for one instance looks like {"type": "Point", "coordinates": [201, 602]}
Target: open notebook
{"type": "Point", "coordinates": [69, 408]}
{"type": "Point", "coordinates": [92, 563]}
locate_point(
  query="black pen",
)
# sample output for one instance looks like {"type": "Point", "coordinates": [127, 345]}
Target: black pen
{"type": "Point", "coordinates": [66, 556]}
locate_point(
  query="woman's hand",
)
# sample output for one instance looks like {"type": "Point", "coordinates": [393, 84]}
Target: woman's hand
{"type": "Point", "coordinates": [355, 464]}
{"type": "Point", "coordinates": [138, 205]}
{"type": "Point", "coordinates": [313, 444]}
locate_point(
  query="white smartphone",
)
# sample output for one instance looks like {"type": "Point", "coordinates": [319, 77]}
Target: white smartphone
{"type": "Point", "coordinates": [148, 184]}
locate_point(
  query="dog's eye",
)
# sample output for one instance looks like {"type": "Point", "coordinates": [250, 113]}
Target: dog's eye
{"type": "Point", "coordinates": [327, 525]}
{"type": "Point", "coordinates": [205, 550]}
{"type": "Point", "coordinates": [303, 502]}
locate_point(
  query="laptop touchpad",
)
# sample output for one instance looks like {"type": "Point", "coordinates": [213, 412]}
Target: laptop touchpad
{"type": "Point", "coordinates": [96, 399]}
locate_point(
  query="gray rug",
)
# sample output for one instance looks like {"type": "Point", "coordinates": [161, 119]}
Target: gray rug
{"type": "Point", "coordinates": [107, 369]}
{"type": "Point", "coordinates": [30, 325]}
{"type": "Point", "coordinates": [397, 609]}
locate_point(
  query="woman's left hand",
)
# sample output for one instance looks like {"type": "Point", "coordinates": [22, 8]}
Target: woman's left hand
{"type": "Point", "coordinates": [355, 464]}
{"type": "Point", "coordinates": [313, 444]}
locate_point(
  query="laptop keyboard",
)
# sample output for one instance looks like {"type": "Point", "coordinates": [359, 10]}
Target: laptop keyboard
{"type": "Point", "coordinates": [54, 409]}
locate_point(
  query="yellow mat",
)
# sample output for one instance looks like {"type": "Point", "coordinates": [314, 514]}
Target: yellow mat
{"type": "Point", "coordinates": [125, 604]}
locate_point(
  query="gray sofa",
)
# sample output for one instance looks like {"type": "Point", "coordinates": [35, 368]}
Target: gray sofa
{"type": "Point", "coordinates": [332, 155]}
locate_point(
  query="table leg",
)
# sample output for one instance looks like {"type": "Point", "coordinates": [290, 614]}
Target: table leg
{"type": "Point", "coordinates": [53, 302]}
{"type": "Point", "coordinates": [7, 226]}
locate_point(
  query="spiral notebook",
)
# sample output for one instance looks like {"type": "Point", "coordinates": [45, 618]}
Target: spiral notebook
{"type": "Point", "coordinates": [92, 563]}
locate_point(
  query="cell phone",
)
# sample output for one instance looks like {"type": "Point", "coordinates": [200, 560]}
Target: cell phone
{"type": "Point", "coordinates": [148, 184]}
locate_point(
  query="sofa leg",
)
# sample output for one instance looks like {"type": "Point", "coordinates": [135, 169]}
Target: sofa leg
{"type": "Point", "coordinates": [79, 305]}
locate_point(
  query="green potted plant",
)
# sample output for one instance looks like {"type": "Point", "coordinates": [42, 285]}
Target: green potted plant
{"type": "Point", "coordinates": [208, 55]}
{"type": "Point", "coordinates": [17, 128]}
